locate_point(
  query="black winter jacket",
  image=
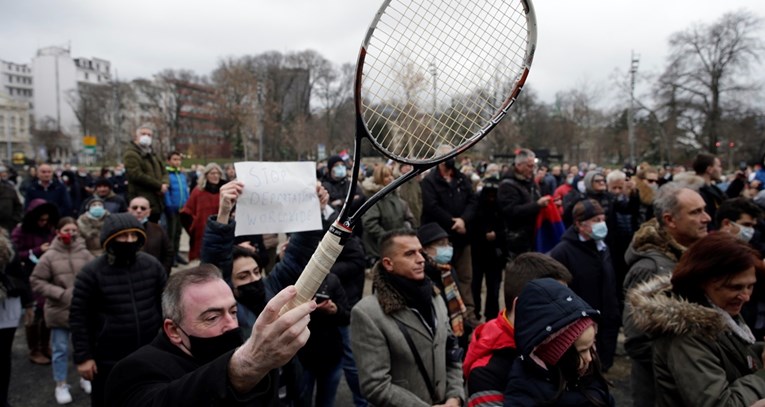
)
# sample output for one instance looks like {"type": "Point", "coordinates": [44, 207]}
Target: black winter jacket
{"type": "Point", "coordinates": [161, 374]}
{"type": "Point", "coordinates": [442, 201]}
{"type": "Point", "coordinates": [594, 279]}
{"type": "Point", "coordinates": [116, 309]}
{"type": "Point", "coordinates": [517, 201]}
{"type": "Point", "coordinates": [544, 307]}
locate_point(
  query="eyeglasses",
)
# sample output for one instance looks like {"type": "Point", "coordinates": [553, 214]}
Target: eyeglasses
{"type": "Point", "coordinates": [135, 208]}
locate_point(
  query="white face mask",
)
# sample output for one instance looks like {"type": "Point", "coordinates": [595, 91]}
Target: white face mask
{"type": "Point", "coordinates": [144, 140]}
{"type": "Point", "coordinates": [745, 233]}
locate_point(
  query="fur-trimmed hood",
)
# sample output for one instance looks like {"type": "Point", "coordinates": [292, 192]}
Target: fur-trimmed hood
{"type": "Point", "coordinates": [658, 311]}
{"type": "Point", "coordinates": [389, 298]}
{"type": "Point", "coordinates": [651, 237]}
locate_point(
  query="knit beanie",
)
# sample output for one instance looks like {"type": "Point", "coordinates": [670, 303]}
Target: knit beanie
{"type": "Point", "coordinates": [119, 223]}
{"type": "Point", "coordinates": [551, 350]}
{"type": "Point", "coordinates": [586, 209]}
{"type": "Point", "coordinates": [334, 160]}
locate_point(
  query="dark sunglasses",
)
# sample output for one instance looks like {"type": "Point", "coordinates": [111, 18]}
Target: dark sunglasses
{"type": "Point", "coordinates": [143, 208]}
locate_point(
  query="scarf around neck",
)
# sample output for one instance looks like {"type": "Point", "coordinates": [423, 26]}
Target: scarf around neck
{"type": "Point", "coordinates": [418, 294]}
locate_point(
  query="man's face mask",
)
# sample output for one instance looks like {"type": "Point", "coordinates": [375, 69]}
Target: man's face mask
{"type": "Point", "coordinates": [206, 350]}
{"type": "Point", "coordinates": [339, 171]}
{"type": "Point", "coordinates": [444, 254]}
{"type": "Point", "coordinates": [745, 233]}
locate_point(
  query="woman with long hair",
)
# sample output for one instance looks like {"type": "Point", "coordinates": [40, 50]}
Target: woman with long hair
{"type": "Point", "coordinates": [703, 352]}
{"type": "Point", "coordinates": [202, 203]}
{"type": "Point", "coordinates": [53, 278]}
{"type": "Point", "coordinates": [555, 334]}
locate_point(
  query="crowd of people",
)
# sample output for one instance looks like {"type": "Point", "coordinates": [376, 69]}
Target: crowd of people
{"type": "Point", "coordinates": [671, 258]}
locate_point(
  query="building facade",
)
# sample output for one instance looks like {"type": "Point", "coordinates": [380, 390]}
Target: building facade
{"type": "Point", "coordinates": [14, 127]}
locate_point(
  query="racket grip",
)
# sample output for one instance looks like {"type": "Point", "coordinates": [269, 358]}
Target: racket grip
{"type": "Point", "coordinates": [317, 269]}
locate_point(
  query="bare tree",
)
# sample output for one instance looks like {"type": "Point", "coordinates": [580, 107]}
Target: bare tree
{"type": "Point", "coordinates": [707, 71]}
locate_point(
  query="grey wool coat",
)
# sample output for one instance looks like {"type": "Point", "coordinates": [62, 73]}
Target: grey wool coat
{"type": "Point", "coordinates": [388, 373]}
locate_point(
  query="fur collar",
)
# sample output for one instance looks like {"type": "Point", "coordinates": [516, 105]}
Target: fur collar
{"type": "Point", "coordinates": [389, 298]}
{"type": "Point", "coordinates": [658, 311]}
{"type": "Point", "coordinates": [651, 236]}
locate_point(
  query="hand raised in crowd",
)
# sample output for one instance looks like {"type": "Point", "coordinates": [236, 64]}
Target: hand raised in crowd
{"type": "Point", "coordinates": [164, 188]}
{"type": "Point", "coordinates": [274, 341]}
{"type": "Point", "coordinates": [87, 369]}
{"type": "Point", "coordinates": [459, 225]}
{"type": "Point", "coordinates": [323, 195]}
{"type": "Point", "coordinates": [229, 193]}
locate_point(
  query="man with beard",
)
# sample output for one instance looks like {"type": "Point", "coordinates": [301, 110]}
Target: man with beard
{"type": "Point", "coordinates": [399, 334]}
{"type": "Point", "coordinates": [116, 302]}
{"type": "Point", "coordinates": [199, 357]}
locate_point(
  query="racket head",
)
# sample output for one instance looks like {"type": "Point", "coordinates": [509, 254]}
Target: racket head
{"type": "Point", "coordinates": [434, 77]}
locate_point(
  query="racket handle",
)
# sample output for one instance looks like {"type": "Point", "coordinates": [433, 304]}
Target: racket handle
{"type": "Point", "coordinates": [317, 268]}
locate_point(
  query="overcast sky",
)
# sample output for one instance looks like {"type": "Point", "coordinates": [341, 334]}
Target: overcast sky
{"type": "Point", "coordinates": [579, 41]}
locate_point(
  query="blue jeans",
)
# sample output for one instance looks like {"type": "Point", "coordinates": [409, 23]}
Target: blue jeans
{"type": "Point", "coordinates": [326, 386]}
{"type": "Point", "coordinates": [59, 343]}
{"type": "Point", "coordinates": [349, 367]}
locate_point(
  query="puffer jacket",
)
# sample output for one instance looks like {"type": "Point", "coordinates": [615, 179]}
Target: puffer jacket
{"type": "Point", "coordinates": [544, 307]}
{"type": "Point", "coordinates": [489, 358]}
{"type": "Point", "coordinates": [116, 308]}
{"type": "Point", "coordinates": [53, 278]}
{"type": "Point", "coordinates": [698, 360]}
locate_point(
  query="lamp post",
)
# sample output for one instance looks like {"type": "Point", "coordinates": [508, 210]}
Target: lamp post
{"type": "Point", "coordinates": [631, 114]}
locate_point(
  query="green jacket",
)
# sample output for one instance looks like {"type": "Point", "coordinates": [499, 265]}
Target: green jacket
{"type": "Point", "coordinates": [389, 213]}
{"type": "Point", "coordinates": [697, 358]}
{"type": "Point", "coordinates": [145, 174]}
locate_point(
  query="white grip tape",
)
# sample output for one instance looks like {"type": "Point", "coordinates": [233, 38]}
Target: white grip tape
{"type": "Point", "coordinates": [316, 270]}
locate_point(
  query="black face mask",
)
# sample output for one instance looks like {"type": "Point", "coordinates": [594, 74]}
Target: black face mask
{"type": "Point", "coordinates": [252, 295]}
{"type": "Point", "coordinates": [451, 164]}
{"type": "Point", "coordinates": [124, 252]}
{"type": "Point", "coordinates": [206, 350]}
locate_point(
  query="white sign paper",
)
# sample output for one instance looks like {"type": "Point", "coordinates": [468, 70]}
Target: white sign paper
{"type": "Point", "coordinates": [278, 197]}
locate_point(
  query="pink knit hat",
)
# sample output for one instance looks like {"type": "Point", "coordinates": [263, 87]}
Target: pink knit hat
{"type": "Point", "coordinates": [551, 350]}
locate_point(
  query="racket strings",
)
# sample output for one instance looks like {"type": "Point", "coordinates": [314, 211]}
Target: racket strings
{"type": "Point", "coordinates": [438, 72]}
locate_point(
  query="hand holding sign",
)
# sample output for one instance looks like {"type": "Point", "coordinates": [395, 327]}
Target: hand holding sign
{"type": "Point", "coordinates": [276, 197]}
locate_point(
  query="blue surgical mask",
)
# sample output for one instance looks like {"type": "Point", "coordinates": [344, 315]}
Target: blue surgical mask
{"type": "Point", "coordinates": [96, 211]}
{"type": "Point", "coordinates": [599, 231]}
{"type": "Point", "coordinates": [444, 254]}
{"type": "Point", "coordinates": [745, 233]}
{"type": "Point", "coordinates": [339, 171]}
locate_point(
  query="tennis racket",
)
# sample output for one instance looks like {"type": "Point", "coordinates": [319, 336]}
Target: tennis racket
{"type": "Point", "coordinates": [433, 78]}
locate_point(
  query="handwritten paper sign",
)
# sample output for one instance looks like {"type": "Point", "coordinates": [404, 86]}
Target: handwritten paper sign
{"type": "Point", "coordinates": [278, 197]}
